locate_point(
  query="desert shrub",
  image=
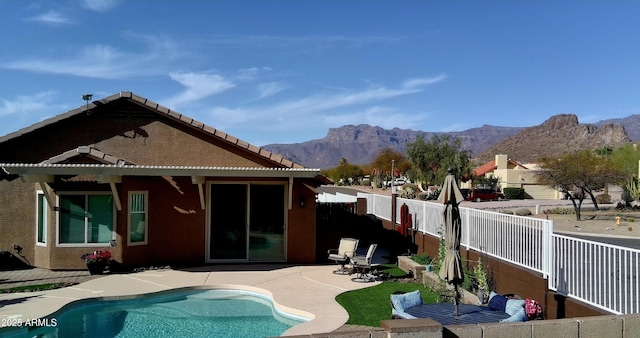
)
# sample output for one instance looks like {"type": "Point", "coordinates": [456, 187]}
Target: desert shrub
{"type": "Point", "coordinates": [409, 191]}
{"type": "Point", "coordinates": [422, 258]}
{"type": "Point", "coordinates": [603, 199]}
{"type": "Point", "coordinates": [562, 211]}
{"type": "Point", "coordinates": [512, 193]}
{"type": "Point", "coordinates": [426, 196]}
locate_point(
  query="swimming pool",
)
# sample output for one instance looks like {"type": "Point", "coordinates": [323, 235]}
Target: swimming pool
{"type": "Point", "coordinates": [193, 313]}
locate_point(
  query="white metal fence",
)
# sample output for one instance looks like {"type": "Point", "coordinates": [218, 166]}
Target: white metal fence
{"type": "Point", "coordinates": [600, 274]}
{"type": "Point", "coordinates": [603, 275]}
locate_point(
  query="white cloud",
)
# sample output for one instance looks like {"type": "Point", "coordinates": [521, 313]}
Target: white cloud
{"type": "Point", "coordinates": [307, 43]}
{"type": "Point", "coordinates": [329, 110]}
{"type": "Point", "coordinates": [107, 62]}
{"type": "Point", "coordinates": [28, 105]}
{"type": "Point", "coordinates": [224, 118]}
{"type": "Point", "coordinates": [52, 17]}
{"type": "Point", "coordinates": [421, 82]}
{"type": "Point", "coordinates": [248, 74]}
{"type": "Point", "coordinates": [100, 6]}
{"type": "Point", "coordinates": [98, 61]}
{"type": "Point", "coordinates": [198, 86]}
{"type": "Point", "coordinates": [323, 103]}
{"type": "Point", "coordinates": [269, 89]}
{"type": "Point", "coordinates": [383, 117]}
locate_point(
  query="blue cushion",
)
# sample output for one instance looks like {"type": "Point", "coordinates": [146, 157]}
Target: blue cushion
{"type": "Point", "coordinates": [406, 300]}
{"type": "Point", "coordinates": [497, 302]}
{"type": "Point", "coordinates": [519, 316]}
{"type": "Point", "coordinates": [515, 308]}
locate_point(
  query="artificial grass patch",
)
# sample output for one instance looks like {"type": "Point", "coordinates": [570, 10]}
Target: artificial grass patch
{"type": "Point", "coordinates": [369, 306]}
{"type": "Point", "coordinates": [393, 271]}
{"type": "Point", "coordinates": [34, 288]}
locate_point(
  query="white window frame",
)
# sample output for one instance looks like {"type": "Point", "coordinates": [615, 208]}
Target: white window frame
{"type": "Point", "coordinates": [45, 214]}
{"type": "Point", "coordinates": [146, 218]}
{"type": "Point", "coordinates": [85, 244]}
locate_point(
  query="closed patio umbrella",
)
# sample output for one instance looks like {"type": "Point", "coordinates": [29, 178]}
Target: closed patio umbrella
{"type": "Point", "coordinates": [451, 269]}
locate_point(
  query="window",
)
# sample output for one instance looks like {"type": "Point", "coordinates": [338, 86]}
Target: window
{"type": "Point", "coordinates": [41, 219]}
{"type": "Point", "coordinates": [85, 219]}
{"type": "Point", "coordinates": [138, 218]}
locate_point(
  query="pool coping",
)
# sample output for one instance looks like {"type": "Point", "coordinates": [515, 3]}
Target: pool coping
{"type": "Point", "coordinates": [305, 291]}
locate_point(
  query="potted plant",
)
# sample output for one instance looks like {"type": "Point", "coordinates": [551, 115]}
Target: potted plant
{"type": "Point", "coordinates": [481, 282]}
{"type": "Point", "coordinates": [97, 261]}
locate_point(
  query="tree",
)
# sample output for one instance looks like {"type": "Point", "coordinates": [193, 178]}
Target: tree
{"type": "Point", "coordinates": [386, 156]}
{"type": "Point", "coordinates": [345, 173]}
{"type": "Point", "coordinates": [433, 159]}
{"type": "Point", "coordinates": [626, 159]}
{"type": "Point", "coordinates": [579, 174]}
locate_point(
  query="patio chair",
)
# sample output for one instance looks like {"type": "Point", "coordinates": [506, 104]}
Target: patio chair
{"type": "Point", "coordinates": [343, 254]}
{"type": "Point", "coordinates": [362, 266]}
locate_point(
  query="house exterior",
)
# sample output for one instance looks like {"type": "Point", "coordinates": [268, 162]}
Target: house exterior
{"type": "Point", "coordinates": [152, 186]}
{"type": "Point", "coordinates": [511, 173]}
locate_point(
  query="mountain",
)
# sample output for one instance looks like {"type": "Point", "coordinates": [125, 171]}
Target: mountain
{"type": "Point", "coordinates": [559, 134]}
{"type": "Point", "coordinates": [631, 125]}
{"type": "Point", "coordinates": [360, 144]}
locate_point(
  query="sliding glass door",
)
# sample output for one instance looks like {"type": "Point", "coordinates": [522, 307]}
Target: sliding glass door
{"type": "Point", "coordinates": [266, 222]}
{"type": "Point", "coordinates": [247, 221]}
{"type": "Point", "coordinates": [228, 222]}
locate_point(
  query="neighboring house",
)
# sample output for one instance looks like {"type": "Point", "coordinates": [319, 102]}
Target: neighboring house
{"type": "Point", "coordinates": [152, 186]}
{"type": "Point", "coordinates": [511, 173]}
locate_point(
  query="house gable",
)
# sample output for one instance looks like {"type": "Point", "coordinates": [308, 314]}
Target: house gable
{"type": "Point", "coordinates": [138, 129]}
{"type": "Point", "coordinates": [102, 155]}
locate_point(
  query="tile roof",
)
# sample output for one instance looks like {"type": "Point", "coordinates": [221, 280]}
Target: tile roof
{"type": "Point", "coordinates": [157, 108]}
{"type": "Point", "coordinates": [485, 168]}
{"type": "Point", "coordinates": [491, 166]}
{"type": "Point", "coordinates": [87, 151]}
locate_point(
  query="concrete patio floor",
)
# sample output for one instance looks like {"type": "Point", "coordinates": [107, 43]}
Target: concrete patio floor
{"type": "Point", "coordinates": [308, 291]}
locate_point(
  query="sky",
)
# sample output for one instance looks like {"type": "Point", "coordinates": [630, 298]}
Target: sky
{"type": "Point", "coordinates": [270, 71]}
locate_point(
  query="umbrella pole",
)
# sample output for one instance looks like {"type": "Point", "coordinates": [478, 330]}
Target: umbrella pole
{"type": "Point", "coordinates": [456, 300]}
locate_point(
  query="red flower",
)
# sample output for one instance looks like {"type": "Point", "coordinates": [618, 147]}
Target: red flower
{"type": "Point", "coordinates": [97, 256]}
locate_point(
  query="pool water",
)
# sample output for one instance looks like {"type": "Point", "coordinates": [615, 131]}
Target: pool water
{"type": "Point", "coordinates": [210, 313]}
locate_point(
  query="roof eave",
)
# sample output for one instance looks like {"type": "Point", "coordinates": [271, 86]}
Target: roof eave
{"type": "Point", "coordinates": [138, 170]}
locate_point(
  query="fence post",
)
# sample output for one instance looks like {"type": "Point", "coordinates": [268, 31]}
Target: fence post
{"type": "Point", "coordinates": [394, 198]}
{"type": "Point", "coordinates": [547, 249]}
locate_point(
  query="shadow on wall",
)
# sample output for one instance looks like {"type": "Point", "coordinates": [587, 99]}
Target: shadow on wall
{"type": "Point", "coordinates": [335, 221]}
{"type": "Point", "coordinates": [9, 261]}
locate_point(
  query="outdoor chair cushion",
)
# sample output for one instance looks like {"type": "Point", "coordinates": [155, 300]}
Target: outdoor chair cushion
{"type": "Point", "coordinates": [401, 302]}
{"type": "Point", "coordinates": [513, 307]}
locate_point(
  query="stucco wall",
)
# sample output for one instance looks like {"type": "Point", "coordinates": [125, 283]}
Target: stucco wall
{"type": "Point", "coordinates": [17, 222]}
{"type": "Point", "coordinates": [152, 141]}
{"type": "Point", "coordinates": [176, 223]}
{"type": "Point", "coordinates": [301, 242]}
